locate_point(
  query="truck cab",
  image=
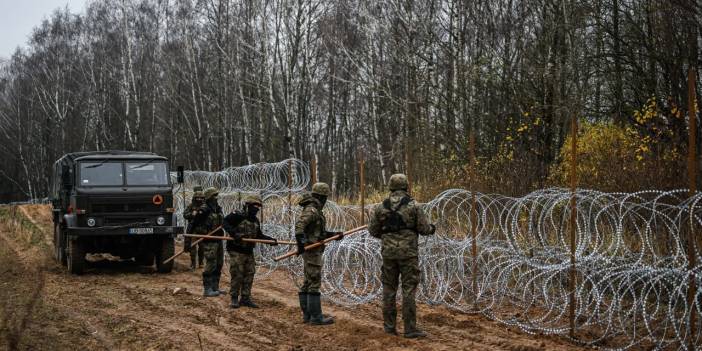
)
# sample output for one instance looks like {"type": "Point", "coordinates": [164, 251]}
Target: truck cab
{"type": "Point", "coordinates": [115, 202]}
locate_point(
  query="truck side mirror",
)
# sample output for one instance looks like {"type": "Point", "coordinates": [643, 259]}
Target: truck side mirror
{"type": "Point", "coordinates": [181, 175]}
{"type": "Point", "coordinates": [66, 177]}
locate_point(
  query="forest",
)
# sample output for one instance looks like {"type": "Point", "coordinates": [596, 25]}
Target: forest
{"type": "Point", "coordinates": [402, 84]}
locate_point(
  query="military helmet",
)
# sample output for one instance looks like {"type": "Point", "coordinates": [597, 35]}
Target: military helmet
{"type": "Point", "coordinates": [211, 192]}
{"type": "Point", "coordinates": [321, 189]}
{"type": "Point", "coordinates": [197, 192]}
{"type": "Point", "coordinates": [398, 182]}
{"type": "Point", "coordinates": [253, 199]}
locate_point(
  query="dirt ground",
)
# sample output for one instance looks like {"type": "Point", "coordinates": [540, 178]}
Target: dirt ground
{"type": "Point", "coordinates": [121, 306]}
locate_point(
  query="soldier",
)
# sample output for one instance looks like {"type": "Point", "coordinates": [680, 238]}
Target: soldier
{"type": "Point", "coordinates": [310, 228]}
{"type": "Point", "coordinates": [397, 222]}
{"type": "Point", "coordinates": [242, 263]}
{"type": "Point", "coordinates": [190, 212]}
{"type": "Point", "coordinates": [208, 219]}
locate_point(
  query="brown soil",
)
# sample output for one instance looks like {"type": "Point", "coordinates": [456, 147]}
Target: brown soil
{"type": "Point", "coordinates": [121, 306]}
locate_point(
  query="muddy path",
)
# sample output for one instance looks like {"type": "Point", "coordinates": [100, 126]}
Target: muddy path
{"type": "Point", "coordinates": [121, 306]}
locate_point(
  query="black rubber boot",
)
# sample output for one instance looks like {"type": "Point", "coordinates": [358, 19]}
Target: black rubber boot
{"type": "Point", "coordinates": [215, 285]}
{"type": "Point", "coordinates": [303, 307]}
{"type": "Point", "coordinates": [415, 334]}
{"type": "Point", "coordinates": [235, 302]}
{"type": "Point", "coordinates": [193, 260]}
{"type": "Point", "coordinates": [314, 306]}
{"type": "Point", "coordinates": [246, 301]}
{"type": "Point", "coordinates": [207, 284]}
{"type": "Point", "coordinates": [390, 331]}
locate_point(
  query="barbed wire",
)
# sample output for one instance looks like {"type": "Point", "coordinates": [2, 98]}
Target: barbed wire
{"type": "Point", "coordinates": [270, 178]}
{"type": "Point", "coordinates": [631, 264]}
{"type": "Point", "coordinates": [632, 276]}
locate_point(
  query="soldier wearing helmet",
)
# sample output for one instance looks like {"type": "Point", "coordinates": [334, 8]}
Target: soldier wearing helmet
{"type": "Point", "coordinates": [398, 221]}
{"type": "Point", "coordinates": [210, 216]}
{"type": "Point", "coordinates": [239, 225]}
{"type": "Point", "coordinates": [190, 212]}
{"type": "Point", "coordinates": [309, 228]}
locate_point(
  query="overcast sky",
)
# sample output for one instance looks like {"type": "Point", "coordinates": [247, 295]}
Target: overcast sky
{"type": "Point", "coordinates": [18, 17]}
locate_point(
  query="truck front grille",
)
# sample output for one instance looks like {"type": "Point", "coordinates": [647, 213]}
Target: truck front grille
{"type": "Point", "coordinates": [123, 221]}
{"type": "Point", "coordinates": [124, 208]}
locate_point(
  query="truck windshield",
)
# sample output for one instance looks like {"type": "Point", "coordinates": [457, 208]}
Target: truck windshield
{"type": "Point", "coordinates": [101, 173]}
{"type": "Point", "coordinates": [151, 172]}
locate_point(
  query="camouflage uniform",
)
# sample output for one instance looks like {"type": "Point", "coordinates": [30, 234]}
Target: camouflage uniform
{"type": "Point", "coordinates": [310, 228]}
{"type": "Point", "coordinates": [397, 222]}
{"type": "Point", "coordinates": [311, 224]}
{"type": "Point", "coordinates": [211, 217]}
{"type": "Point", "coordinates": [196, 251]}
{"type": "Point", "coordinates": [242, 263]}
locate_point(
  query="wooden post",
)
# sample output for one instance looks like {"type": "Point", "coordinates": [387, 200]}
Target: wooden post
{"type": "Point", "coordinates": [692, 178]}
{"type": "Point", "coordinates": [473, 218]}
{"type": "Point", "coordinates": [182, 199]}
{"type": "Point", "coordinates": [573, 219]}
{"type": "Point", "coordinates": [408, 171]}
{"type": "Point", "coordinates": [362, 166]}
{"type": "Point", "coordinates": [314, 169]}
{"type": "Point", "coordinates": [290, 175]}
{"type": "Point", "coordinates": [292, 223]}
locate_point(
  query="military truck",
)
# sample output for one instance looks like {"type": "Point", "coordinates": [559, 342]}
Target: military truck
{"type": "Point", "coordinates": [116, 202]}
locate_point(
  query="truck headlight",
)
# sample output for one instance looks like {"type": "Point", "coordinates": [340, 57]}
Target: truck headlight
{"type": "Point", "coordinates": [91, 222]}
{"type": "Point", "coordinates": [160, 220]}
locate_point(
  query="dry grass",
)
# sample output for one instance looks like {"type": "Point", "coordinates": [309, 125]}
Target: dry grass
{"type": "Point", "coordinates": [23, 286]}
{"type": "Point", "coordinates": [419, 192]}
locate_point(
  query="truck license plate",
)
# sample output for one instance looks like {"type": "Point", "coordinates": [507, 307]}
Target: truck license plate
{"type": "Point", "coordinates": [141, 230]}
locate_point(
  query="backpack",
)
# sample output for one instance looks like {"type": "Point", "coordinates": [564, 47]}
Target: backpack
{"type": "Point", "coordinates": [392, 220]}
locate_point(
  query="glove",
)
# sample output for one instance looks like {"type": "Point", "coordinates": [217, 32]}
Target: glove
{"type": "Point", "coordinates": [300, 244]}
{"type": "Point", "coordinates": [432, 230]}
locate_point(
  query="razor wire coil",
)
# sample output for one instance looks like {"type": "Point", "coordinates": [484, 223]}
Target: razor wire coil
{"type": "Point", "coordinates": [631, 261]}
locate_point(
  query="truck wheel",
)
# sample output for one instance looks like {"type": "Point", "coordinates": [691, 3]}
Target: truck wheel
{"type": "Point", "coordinates": [56, 242]}
{"type": "Point", "coordinates": [164, 251]}
{"type": "Point", "coordinates": [145, 259]}
{"type": "Point", "coordinates": [76, 256]}
{"type": "Point", "coordinates": [59, 245]}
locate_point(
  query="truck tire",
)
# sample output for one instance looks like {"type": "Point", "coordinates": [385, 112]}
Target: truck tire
{"type": "Point", "coordinates": [59, 245]}
{"type": "Point", "coordinates": [145, 259]}
{"type": "Point", "coordinates": [56, 243]}
{"type": "Point", "coordinates": [76, 256]}
{"type": "Point", "coordinates": [164, 251]}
